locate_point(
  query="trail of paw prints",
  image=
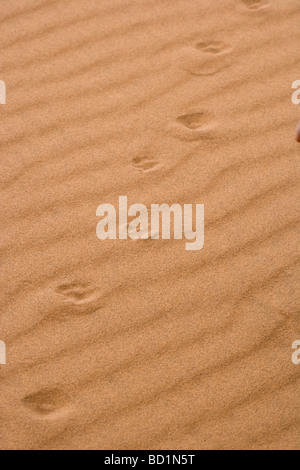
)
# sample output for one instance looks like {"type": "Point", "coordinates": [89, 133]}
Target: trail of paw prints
{"type": "Point", "coordinates": [193, 126]}
{"type": "Point", "coordinates": [46, 402]}
{"type": "Point", "coordinates": [206, 57]}
{"type": "Point", "coordinates": [255, 5]}
{"type": "Point", "coordinates": [146, 164]}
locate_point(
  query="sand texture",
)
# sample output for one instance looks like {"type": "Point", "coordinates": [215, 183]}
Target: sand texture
{"type": "Point", "coordinates": [140, 344]}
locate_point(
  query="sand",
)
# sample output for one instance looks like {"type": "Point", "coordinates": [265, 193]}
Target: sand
{"type": "Point", "coordinates": [140, 344]}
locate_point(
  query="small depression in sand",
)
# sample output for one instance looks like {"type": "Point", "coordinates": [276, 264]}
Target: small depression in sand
{"type": "Point", "coordinates": [145, 164]}
{"type": "Point", "coordinates": [75, 293]}
{"type": "Point", "coordinates": [193, 125]}
{"type": "Point", "coordinates": [195, 121]}
{"type": "Point", "coordinates": [214, 47]}
{"type": "Point", "coordinates": [206, 57]}
{"type": "Point", "coordinates": [46, 402]}
{"type": "Point", "coordinates": [256, 5]}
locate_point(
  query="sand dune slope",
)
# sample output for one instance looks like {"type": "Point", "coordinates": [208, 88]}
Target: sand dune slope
{"type": "Point", "coordinates": [141, 344]}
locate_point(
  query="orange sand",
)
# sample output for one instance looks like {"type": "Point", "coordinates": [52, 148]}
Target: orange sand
{"type": "Point", "coordinates": [142, 345]}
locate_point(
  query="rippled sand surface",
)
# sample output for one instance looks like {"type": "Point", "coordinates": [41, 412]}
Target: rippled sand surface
{"type": "Point", "coordinates": [141, 344]}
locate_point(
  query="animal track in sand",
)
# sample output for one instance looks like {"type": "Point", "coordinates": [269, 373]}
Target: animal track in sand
{"type": "Point", "coordinates": [45, 402]}
{"type": "Point", "coordinates": [193, 121]}
{"type": "Point", "coordinates": [214, 47]}
{"type": "Point", "coordinates": [193, 126]}
{"type": "Point", "coordinates": [145, 164]}
{"type": "Point", "coordinates": [206, 57]}
{"type": "Point", "coordinates": [255, 5]}
{"type": "Point", "coordinates": [75, 293]}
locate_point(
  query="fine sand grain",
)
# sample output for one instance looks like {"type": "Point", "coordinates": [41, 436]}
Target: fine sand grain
{"type": "Point", "coordinates": [141, 344]}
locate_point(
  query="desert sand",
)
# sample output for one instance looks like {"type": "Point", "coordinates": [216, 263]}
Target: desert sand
{"type": "Point", "coordinates": [139, 344]}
